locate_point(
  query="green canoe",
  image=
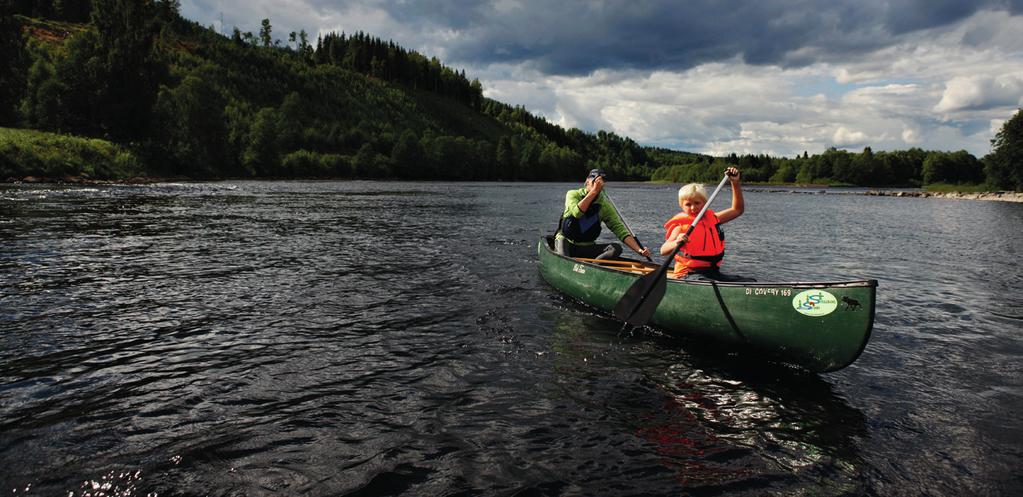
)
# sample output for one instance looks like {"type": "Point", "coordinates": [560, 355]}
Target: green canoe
{"type": "Point", "coordinates": [820, 326]}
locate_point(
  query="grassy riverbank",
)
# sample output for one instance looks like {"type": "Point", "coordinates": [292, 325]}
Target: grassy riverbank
{"type": "Point", "coordinates": [947, 188]}
{"type": "Point", "coordinates": [42, 155]}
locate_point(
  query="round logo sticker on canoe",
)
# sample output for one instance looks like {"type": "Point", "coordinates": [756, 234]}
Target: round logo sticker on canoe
{"type": "Point", "coordinates": [815, 303]}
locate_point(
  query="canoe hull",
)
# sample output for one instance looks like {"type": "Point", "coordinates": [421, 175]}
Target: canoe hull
{"type": "Point", "coordinates": [820, 326]}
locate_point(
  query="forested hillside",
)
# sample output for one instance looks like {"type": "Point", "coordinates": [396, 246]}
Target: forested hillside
{"type": "Point", "coordinates": [189, 101]}
{"type": "Point", "coordinates": [180, 99]}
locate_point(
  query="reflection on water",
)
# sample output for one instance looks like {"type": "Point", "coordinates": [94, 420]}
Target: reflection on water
{"type": "Point", "coordinates": [719, 426]}
{"type": "Point", "coordinates": [363, 338]}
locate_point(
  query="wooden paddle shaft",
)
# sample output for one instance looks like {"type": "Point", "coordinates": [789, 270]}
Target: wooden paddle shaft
{"type": "Point", "coordinates": [626, 266]}
{"type": "Point", "coordinates": [626, 223]}
{"type": "Point", "coordinates": [640, 301]}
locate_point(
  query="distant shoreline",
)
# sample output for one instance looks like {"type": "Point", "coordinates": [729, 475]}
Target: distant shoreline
{"type": "Point", "coordinates": [1003, 196]}
{"type": "Point", "coordinates": [1000, 196]}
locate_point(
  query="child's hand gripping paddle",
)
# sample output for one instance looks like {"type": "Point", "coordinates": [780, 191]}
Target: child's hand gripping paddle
{"type": "Point", "coordinates": [641, 299]}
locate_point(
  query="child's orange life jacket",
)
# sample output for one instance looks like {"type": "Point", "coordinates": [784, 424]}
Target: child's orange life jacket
{"type": "Point", "coordinates": [706, 246]}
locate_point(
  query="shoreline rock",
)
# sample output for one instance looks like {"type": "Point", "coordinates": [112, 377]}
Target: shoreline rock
{"type": "Point", "coordinates": [84, 179]}
{"type": "Point", "coordinates": [1001, 196]}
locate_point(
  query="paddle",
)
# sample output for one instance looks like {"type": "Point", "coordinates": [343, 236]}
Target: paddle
{"type": "Point", "coordinates": [641, 299]}
{"type": "Point", "coordinates": [626, 223]}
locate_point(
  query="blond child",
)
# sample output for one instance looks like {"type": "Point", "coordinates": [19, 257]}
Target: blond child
{"type": "Point", "coordinates": [704, 248]}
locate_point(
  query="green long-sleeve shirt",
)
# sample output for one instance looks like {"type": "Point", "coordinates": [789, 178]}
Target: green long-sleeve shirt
{"type": "Point", "coordinates": [608, 215]}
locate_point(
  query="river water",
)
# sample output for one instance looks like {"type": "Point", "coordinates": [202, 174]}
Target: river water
{"type": "Point", "coordinates": [384, 338]}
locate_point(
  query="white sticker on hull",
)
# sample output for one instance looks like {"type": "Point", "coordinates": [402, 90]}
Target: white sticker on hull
{"type": "Point", "coordinates": [579, 268]}
{"type": "Point", "coordinates": [815, 303]}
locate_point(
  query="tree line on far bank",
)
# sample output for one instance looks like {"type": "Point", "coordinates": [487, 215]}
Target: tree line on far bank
{"type": "Point", "coordinates": [187, 101]}
{"type": "Point", "coordinates": [867, 168]}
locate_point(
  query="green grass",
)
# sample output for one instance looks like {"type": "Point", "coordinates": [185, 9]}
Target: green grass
{"type": "Point", "coordinates": [947, 188]}
{"type": "Point", "coordinates": [46, 155]}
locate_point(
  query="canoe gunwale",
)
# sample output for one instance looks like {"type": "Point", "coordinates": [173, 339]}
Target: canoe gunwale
{"type": "Point", "coordinates": [549, 240]}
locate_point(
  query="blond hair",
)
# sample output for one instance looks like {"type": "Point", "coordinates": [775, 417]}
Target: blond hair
{"type": "Point", "coordinates": [691, 191]}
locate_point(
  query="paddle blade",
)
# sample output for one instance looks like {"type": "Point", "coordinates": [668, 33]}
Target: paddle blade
{"type": "Point", "coordinates": [641, 299]}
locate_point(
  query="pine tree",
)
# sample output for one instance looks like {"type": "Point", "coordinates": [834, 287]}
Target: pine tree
{"type": "Point", "coordinates": [12, 70]}
{"type": "Point", "coordinates": [265, 31]}
{"type": "Point", "coordinates": [406, 155]}
{"type": "Point", "coordinates": [1004, 166]}
{"type": "Point", "coordinates": [109, 79]}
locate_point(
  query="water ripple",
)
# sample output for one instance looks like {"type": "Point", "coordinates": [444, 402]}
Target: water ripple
{"type": "Point", "coordinates": [363, 338]}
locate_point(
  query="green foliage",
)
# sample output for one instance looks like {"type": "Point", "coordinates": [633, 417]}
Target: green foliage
{"type": "Point", "coordinates": [786, 173]}
{"type": "Point", "coordinates": [192, 102]}
{"type": "Point", "coordinates": [41, 107]}
{"type": "Point", "coordinates": [504, 156]}
{"type": "Point", "coordinates": [49, 155]}
{"type": "Point", "coordinates": [265, 30]}
{"type": "Point", "coordinates": [370, 164]}
{"type": "Point", "coordinates": [389, 62]}
{"type": "Point", "coordinates": [12, 70]}
{"type": "Point", "coordinates": [104, 81]}
{"type": "Point", "coordinates": [306, 164]}
{"type": "Point", "coordinates": [905, 166]}
{"type": "Point", "coordinates": [122, 67]}
{"type": "Point", "coordinates": [957, 167]}
{"type": "Point", "coordinates": [191, 127]}
{"type": "Point", "coordinates": [262, 152]}
{"type": "Point", "coordinates": [835, 167]}
{"type": "Point", "coordinates": [962, 188]}
{"type": "Point", "coordinates": [1004, 166]}
{"type": "Point", "coordinates": [64, 10]}
{"type": "Point", "coordinates": [407, 155]}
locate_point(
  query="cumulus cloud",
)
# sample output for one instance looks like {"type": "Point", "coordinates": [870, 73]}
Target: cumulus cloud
{"type": "Point", "coordinates": [844, 137]}
{"type": "Point", "coordinates": [911, 136]}
{"type": "Point", "coordinates": [981, 92]}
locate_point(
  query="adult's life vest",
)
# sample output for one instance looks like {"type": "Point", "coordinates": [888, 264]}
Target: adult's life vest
{"type": "Point", "coordinates": [585, 229]}
{"type": "Point", "coordinates": [706, 246]}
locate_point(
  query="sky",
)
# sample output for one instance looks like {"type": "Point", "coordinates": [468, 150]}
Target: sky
{"type": "Point", "coordinates": [775, 77]}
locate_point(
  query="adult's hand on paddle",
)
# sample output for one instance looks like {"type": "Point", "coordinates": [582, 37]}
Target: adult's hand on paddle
{"type": "Point", "coordinates": [733, 174]}
{"type": "Point", "coordinates": [645, 252]}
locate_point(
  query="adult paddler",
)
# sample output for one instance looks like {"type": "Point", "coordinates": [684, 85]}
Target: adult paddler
{"type": "Point", "coordinates": [585, 209]}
